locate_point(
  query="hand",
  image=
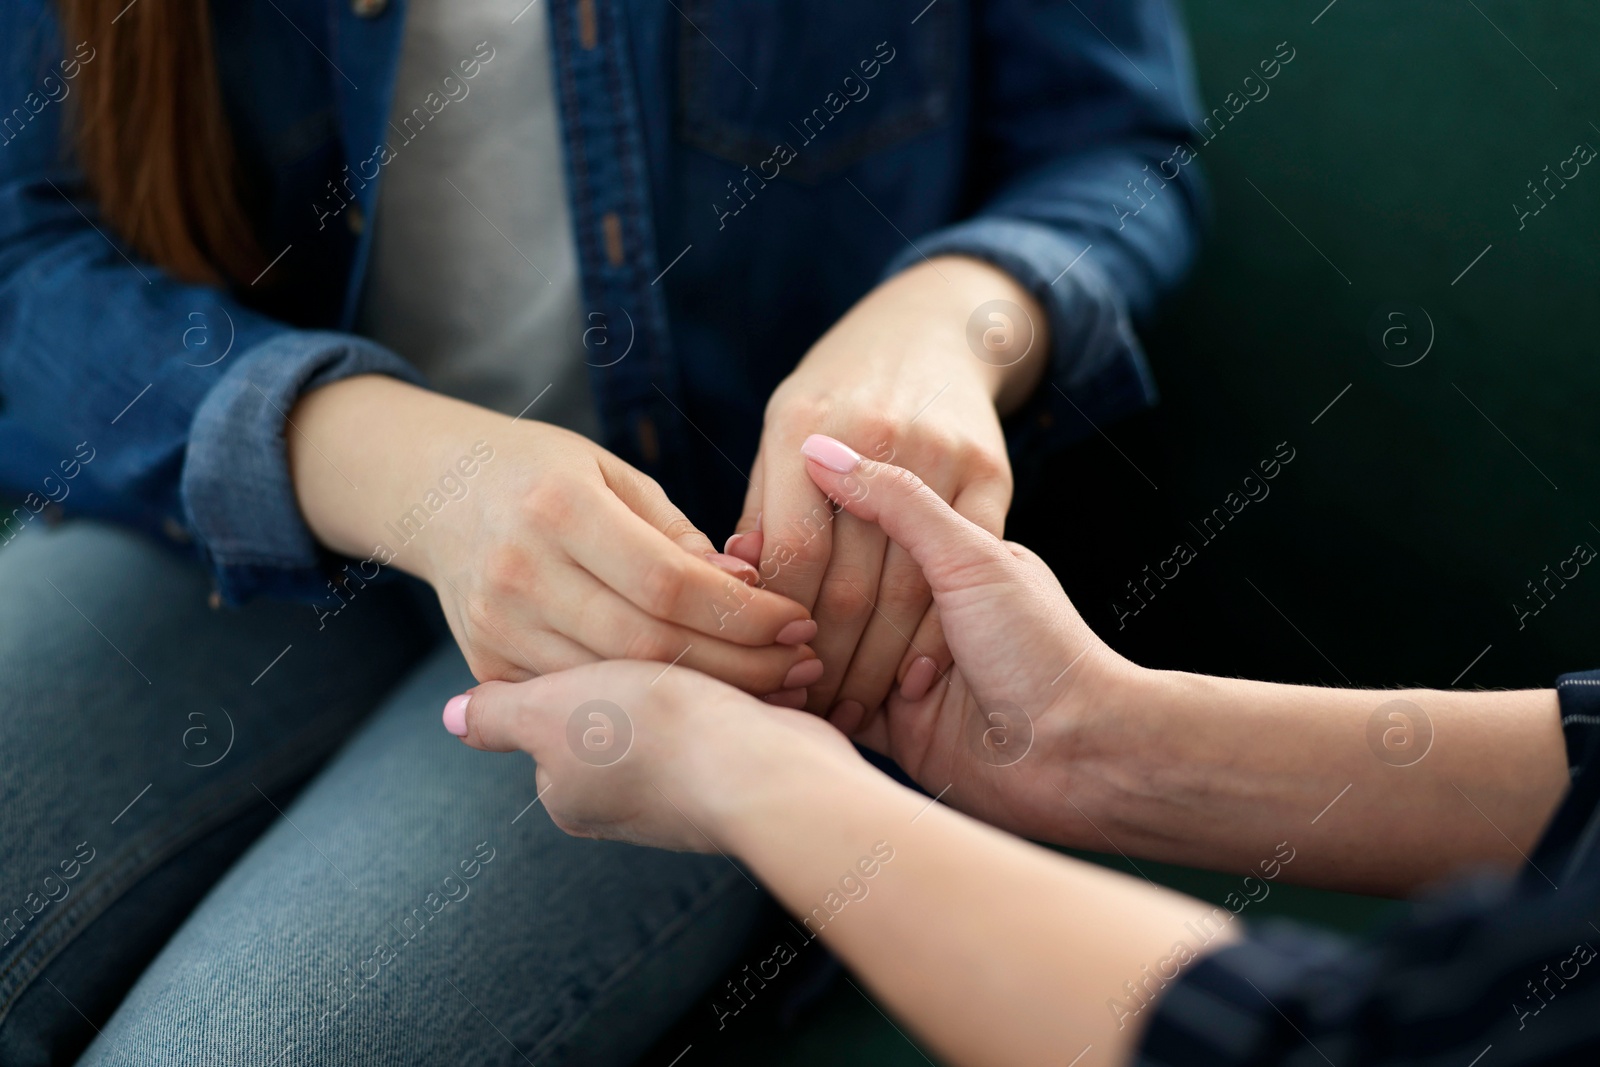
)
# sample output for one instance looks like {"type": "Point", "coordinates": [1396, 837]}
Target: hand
{"type": "Point", "coordinates": [895, 378]}
{"type": "Point", "coordinates": [1029, 673]}
{"type": "Point", "coordinates": [678, 757]}
{"type": "Point", "coordinates": [546, 551]}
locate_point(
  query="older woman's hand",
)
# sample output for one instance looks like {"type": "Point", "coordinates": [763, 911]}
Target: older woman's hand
{"type": "Point", "coordinates": [1003, 728]}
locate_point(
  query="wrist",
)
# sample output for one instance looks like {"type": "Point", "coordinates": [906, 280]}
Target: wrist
{"type": "Point", "coordinates": [1100, 742]}
{"type": "Point", "coordinates": [748, 792]}
{"type": "Point", "coordinates": [1004, 330]}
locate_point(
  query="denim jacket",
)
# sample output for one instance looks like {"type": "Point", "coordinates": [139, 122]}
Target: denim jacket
{"type": "Point", "coordinates": [738, 174]}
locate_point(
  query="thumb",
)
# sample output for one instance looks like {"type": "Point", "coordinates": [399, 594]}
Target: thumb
{"type": "Point", "coordinates": [498, 716]}
{"type": "Point", "coordinates": [952, 552]}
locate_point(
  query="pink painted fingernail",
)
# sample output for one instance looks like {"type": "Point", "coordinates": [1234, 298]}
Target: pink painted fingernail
{"type": "Point", "coordinates": [455, 714]}
{"type": "Point", "coordinates": [745, 546]}
{"type": "Point", "coordinates": [802, 674]}
{"type": "Point", "coordinates": [797, 632]}
{"type": "Point", "coordinates": [835, 455]}
{"type": "Point", "coordinates": [919, 678]}
{"type": "Point", "coordinates": [787, 698]}
{"type": "Point", "coordinates": [734, 566]}
{"type": "Point", "coordinates": [848, 715]}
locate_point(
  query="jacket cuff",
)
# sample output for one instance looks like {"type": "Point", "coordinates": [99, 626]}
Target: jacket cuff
{"type": "Point", "coordinates": [237, 493]}
{"type": "Point", "coordinates": [1097, 371]}
{"type": "Point", "coordinates": [1578, 696]}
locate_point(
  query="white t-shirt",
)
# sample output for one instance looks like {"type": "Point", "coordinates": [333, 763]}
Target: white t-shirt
{"type": "Point", "coordinates": [473, 275]}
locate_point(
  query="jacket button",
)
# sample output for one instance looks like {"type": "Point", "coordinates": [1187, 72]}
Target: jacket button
{"type": "Point", "coordinates": [355, 220]}
{"type": "Point", "coordinates": [611, 230]}
{"type": "Point", "coordinates": [588, 25]}
{"type": "Point", "coordinates": [649, 443]}
{"type": "Point", "coordinates": [174, 530]}
{"type": "Point", "coordinates": [368, 9]}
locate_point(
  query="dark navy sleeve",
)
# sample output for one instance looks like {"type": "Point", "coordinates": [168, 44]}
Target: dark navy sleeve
{"type": "Point", "coordinates": [1087, 192]}
{"type": "Point", "coordinates": [1494, 973]}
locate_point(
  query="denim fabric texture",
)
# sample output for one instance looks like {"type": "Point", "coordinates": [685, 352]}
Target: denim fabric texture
{"type": "Point", "coordinates": [225, 844]}
{"type": "Point", "coordinates": [1010, 131]}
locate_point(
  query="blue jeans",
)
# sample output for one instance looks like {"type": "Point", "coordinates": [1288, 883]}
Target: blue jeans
{"type": "Point", "coordinates": [233, 837]}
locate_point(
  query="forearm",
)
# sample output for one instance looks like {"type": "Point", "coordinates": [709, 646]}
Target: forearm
{"type": "Point", "coordinates": [1378, 791]}
{"type": "Point", "coordinates": [993, 950]}
{"type": "Point", "coordinates": [364, 451]}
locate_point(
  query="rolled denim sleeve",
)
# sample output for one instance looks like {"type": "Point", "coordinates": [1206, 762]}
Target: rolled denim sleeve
{"type": "Point", "coordinates": [104, 354]}
{"type": "Point", "coordinates": [1079, 112]}
{"type": "Point", "coordinates": [237, 494]}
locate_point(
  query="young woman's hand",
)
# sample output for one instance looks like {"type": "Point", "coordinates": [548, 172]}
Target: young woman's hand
{"type": "Point", "coordinates": [898, 379]}
{"type": "Point", "coordinates": [546, 551]}
{"type": "Point", "coordinates": [627, 753]}
{"type": "Point", "coordinates": [1029, 675]}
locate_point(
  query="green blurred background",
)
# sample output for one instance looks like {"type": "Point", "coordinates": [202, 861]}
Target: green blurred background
{"type": "Point", "coordinates": [1387, 157]}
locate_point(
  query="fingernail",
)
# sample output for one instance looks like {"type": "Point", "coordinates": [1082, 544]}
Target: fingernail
{"type": "Point", "coordinates": [848, 715]}
{"type": "Point", "coordinates": [835, 455]}
{"type": "Point", "coordinates": [919, 678]}
{"type": "Point", "coordinates": [745, 546]}
{"type": "Point", "coordinates": [802, 674]}
{"type": "Point", "coordinates": [758, 520]}
{"type": "Point", "coordinates": [455, 714]}
{"type": "Point", "coordinates": [787, 698]}
{"type": "Point", "coordinates": [797, 632]}
{"type": "Point", "coordinates": [734, 566]}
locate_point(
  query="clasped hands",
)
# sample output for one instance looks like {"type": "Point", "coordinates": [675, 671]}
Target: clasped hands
{"type": "Point", "coordinates": [711, 748]}
{"type": "Point", "coordinates": [563, 554]}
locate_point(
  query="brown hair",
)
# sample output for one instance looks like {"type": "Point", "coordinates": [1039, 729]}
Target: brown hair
{"type": "Point", "coordinates": [152, 139]}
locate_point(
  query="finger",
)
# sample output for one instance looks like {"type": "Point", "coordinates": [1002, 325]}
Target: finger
{"type": "Point", "coordinates": [868, 729]}
{"type": "Point", "coordinates": [512, 649]}
{"type": "Point", "coordinates": [499, 658]}
{"type": "Point", "coordinates": [501, 716]}
{"type": "Point", "coordinates": [750, 517]}
{"type": "Point", "coordinates": [629, 555]}
{"type": "Point", "coordinates": [747, 546]}
{"type": "Point", "coordinates": [600, 619]}
{"type": "Point", "coordinates": [891, 634]}
{"type": "Point", "coordinates": [846, 603]}
{"type": "Point", "coordinates": [927, 662]}
{"type": "Point", "coordinates": [985, 504]}
{"type": "Point", "coordinates": [646, 499]}
{"type": "Point", "coordinates": [952, 552]}
{"type": "Point", "coordinates": [797, 531]}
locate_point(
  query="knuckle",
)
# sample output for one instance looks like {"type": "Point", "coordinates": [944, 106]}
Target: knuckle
{"type": "Point", "coordinates": [680, 528]}
{"type": "Point", "coordinates": [651, 643]}
{"type": "Point", "coordinates": [904, 481]}
{"type": "Point", "coordinates": [843, 596]}
{"type": "Point", "coordinates": [904, 592]}
{"type": "Point", "coordinates": [663, 587]}
{"type": "Point", "coordinates": [508, 570]}
{"type": "Point", "coordinates": [798, 412]}
{"type": "Point", "coordinates": [549, 503]}
{"type": "Point", "coordinates": [875, 433]}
